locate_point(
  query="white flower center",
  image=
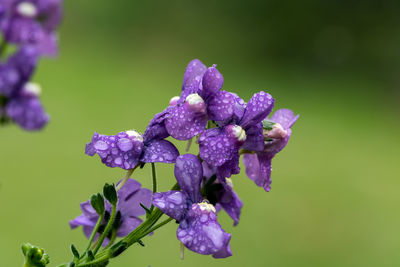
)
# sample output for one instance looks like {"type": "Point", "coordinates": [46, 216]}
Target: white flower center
{"type": "Point", "coordinates": [277, 132]}
{"type": "Point", "coordinates": [194, 99]}
{"type": "Point", "coordinates": [206, 206]}
{"type": "Point", "coordinates": [239, 133]}
{"type": "Point", "coordinates": [135, 135]}
{"type": "Point", "coordinates": [27, 9]}
{"type": "Point", "coordinates": [33, 89]}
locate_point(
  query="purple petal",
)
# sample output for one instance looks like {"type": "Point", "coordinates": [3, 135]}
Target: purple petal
{"type": "Point", "coordinates": [130, 196]}
{"type": "Point", "coordinates": [217, 147]}
{"type": "Point", "coordinates": [122, 150]}
{"type": "Point", "coordinates": [128, 225]}
{"type": "Point", "coordinates": [27, 112]}
{"type": "Point", "coordinates": [81, 220]}
{"type": "Point", "coordinates": [189, 174]}
{"type": "Point", "coordinates": [229, 168]}
{"type": "Point", "coordinates": [231, 203]}
{"type": "Point", "coordinates": [254, 138]}
{"type": "Point", "coordinates": [212, 82]}
{"type": "Point", "coordinates": [131, 206]}
{"type": "Point", "coordinates": [156, 128]}
{"type": "Point", "coordinates": [208, 170]}
{"type": "Point", "coordinates": [194, 69]}
{"type": "Point", "coordinates": [257, 109]}
{"type": "Point", "coordinates": [225, 251]}
{"type": "Point", "coordinates": [89, 211]}
{"type": "Point", "coordinates": [284, 117]}
{"type": "Point", "coordinates": [258, 169]}
{"type": "Point", "coordinates": [220, 106]}
{"type": "Point", "coordinates": [201, 232]}
{"type": "Point", "coordinates": [172, 203]}
{"type": "Point", "coordinates": [160, 151]}
{"type": "Point", "coordinates": [184, 123]}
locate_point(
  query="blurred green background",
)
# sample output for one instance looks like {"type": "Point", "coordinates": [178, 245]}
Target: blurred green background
{"type": "Point", "coordinates": [335, 193]}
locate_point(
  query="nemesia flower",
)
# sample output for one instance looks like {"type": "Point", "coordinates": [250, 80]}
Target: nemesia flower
{"type": "Point", "coordinates": [198, 228]}
{"type": "Point", "coordinates": [31, 22]}
{"type": "Point", "coordinates": [26, 110]}
{"type": "Point", "coordinates": [201, 100]}
{"type": "Point", "coordinates": [258, 165]}
{"type": "Point", "coordinates": [128, 210]}
{"type": "Point", "coordinates": [219, 147]}
{"type": "Point", "coordinates": [127, 149]}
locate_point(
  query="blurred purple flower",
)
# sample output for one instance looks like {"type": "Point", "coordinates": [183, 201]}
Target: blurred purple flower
{"type": "Point", "coordinates": [258, 165]}
{"type": "Point", "coordinates": [128, 210]}
{"type": "Point", "coordinates": [31, 22]}
{"type": "Point", "coordinates": [198, 228]}
{"type": "Point", "coordinates": [26, 110]}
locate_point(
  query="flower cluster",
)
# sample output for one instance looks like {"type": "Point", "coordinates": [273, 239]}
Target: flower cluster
{"type": "Point", "coordinates": [225, 127]}
{"type": "Point", "coordinates": [29, 26]}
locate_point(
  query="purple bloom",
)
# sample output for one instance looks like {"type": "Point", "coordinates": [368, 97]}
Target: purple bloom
{"type": "Point", "coordinates": [31, 22]}
{"type": "Point", "coordinates": [17, 71]}
{"type": "Point", "coordinates": [128, 210]}
{"type": "Point", "coordinates": [219, 147]}
{"type": "Point", "coordinates": [198, 228]}
{"type": "Point", "coordinates": [258, 165]}
{"type": "Point", "coordinates": [201, 100]}
{"type": "Point", "coordinates": [127, 149]}
{"type": "Point", "coordinates": [26, 109]}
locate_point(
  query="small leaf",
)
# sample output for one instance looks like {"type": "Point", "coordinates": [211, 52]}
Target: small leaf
{"type": "Point", "coordinates": [110, 194]}
{"type": "Point", "coordinates": [74, 251]}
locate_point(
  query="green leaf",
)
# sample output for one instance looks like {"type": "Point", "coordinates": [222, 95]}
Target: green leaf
{"type": "Point", "coordinates": [74, 251]}
{"type": "Point", "coordinates": [110, 193]}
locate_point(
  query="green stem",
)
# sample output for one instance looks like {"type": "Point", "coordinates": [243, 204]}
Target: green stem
{"type": "Point", "coordinates": [126, 178]}
{"type": "Point", "coordinates": [154, 175]}
{"type": "Point", "coordinates": [93, 233]}
{"type": "Point", "coordinates": [112, 239]}
{"type": "Point", "coordinates": [108, 228]}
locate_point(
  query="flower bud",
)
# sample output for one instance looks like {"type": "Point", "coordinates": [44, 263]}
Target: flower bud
{"type": "Point", "coordinates": [174, 101]}
{"type": "Point", "coordinates": [276, 132]}
{"type": "Point", "coordinates": [97, 202]}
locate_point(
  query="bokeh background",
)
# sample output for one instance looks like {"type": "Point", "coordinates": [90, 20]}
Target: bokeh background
{"type": "Point", "coordinates": [335, 193]}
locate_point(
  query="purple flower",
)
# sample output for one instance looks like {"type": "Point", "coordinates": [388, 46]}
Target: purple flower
{"type": "Point", "coordinates": [127, 149]}
{"type": "Point", "coordinates": [26, 109]}
{"type": "Point", "coordinates": [201, 100]}
{"type": "Point", "coordinates": [222, 195]}
{"type": "Point", "coordinates": [128, 210]}
{"type": "Point", "coordinates": [31, 22]}
{"type": "Point", "coordinates": [17, 71]}
{"type": "Point", "coordinates": [198, 228]}
{"type": "Point", "coordinates": [258, 165]}
{"type": "Point", "coordinates": [219, 147]}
